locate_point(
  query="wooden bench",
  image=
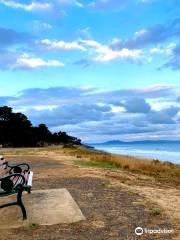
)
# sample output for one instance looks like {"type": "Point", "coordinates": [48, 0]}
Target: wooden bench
{"type": "Point", "coordinates": [15, 179]}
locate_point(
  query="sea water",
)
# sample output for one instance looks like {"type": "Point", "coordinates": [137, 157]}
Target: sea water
{"type": "Point", "coordinates": [161, 151]}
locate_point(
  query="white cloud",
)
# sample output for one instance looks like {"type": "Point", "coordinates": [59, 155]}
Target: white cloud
{"type": "Point", "coordinates": [69, 2]}
{"type": "Point", "coordinates": [90, 43]}
{"type": "Point", "coordinates": [59, 45]}
{"type": "Point", "coordinates": [27, 62]}
{"type": "Point", "coordinates": [116, 41]}
{"type": "Point", "coordinates": [84, 32]}
{"type": "Point", "coordinates": [117, 109]}
{"type": "Point", "coordinates": [105, 53]}
{"type": "Point", "coordinates": [38, 6]}
{"type": "Point", "coordinates": [33, 6]}
{"type": "Point", "coordinates": [113, 5]}
{"type": "Point", "coordinates": [158, 104]}
{"type": "Point", "coordinates": [140, 33]}
{"type": "Point", "coordinates": [163, 50]}
{"type": "Point", "coordinates": [38, 25]}
{"type": "Point", "coordinates": [78, 4]}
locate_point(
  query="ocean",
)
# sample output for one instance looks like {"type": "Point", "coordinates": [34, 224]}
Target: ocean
{"type": "Point", "coordinates": [162, 151]}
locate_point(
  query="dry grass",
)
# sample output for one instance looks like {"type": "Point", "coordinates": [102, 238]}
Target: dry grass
{"type": "Point", "coordinates": [164, 171]}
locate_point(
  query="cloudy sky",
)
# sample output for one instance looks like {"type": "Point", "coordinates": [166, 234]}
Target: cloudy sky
{"type": "Point", "coordinates": [98, 69]}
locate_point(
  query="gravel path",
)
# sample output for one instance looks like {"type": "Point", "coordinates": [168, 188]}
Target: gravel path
{"type": "Point", "coordinates": [112, 213]}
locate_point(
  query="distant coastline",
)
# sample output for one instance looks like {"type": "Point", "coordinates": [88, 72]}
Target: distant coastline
{"type": "Point", "coordinates": [136, 142]}
{"type": "Point", "coordinates": [163, 150]}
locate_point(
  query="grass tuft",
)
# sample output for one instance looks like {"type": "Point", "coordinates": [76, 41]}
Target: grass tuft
{"type": "Point", "coordinates": [95, 164]}
{"type": "Point", "coordinates": [33, 225]}
{"type": "Point", "coordinates": [155, 211]}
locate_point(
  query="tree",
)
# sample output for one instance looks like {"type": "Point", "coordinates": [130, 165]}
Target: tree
{"type": "Point", "coordinates": [17, 131]}
{"type": "Point", "coordinates": [64, 138]}
{"type": "Point", "coordinates": [15, 128]}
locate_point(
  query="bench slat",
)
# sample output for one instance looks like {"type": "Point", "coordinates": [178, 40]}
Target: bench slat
{"type": "Point", "coordinates": [17, 180]}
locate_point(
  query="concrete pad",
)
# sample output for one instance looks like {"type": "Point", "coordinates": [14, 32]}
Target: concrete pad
{"type": "Point", "coordinates": [44, 207]}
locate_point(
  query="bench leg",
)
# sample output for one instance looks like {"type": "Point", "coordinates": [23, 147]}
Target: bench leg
{"type": "Point", "coordinates": [20, 203]}
{"type": "Point", "coordinates": [29, 190]}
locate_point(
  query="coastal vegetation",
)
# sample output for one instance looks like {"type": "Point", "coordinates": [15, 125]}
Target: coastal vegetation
{"type": "Point", "coordinates": [16, 130]}
{"type": "Point", "coordinates": [161, 171]}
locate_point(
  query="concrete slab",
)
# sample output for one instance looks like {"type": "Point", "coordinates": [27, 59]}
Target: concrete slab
{"type": "Point", "coordinates": [44, 207]}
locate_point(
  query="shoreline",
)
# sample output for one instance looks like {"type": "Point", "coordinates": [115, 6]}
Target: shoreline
{"type": "Point", "coordinates": [130, 156]}
{"type": "Point", "coordinates": [165, 172]}
{"type": "Point", "coordinates": [140, 153]}
{"type": "Point", "coordinates": [162, 170]}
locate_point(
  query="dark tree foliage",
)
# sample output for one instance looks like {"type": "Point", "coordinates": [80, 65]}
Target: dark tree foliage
{"type": "Point", "coordinates": [17, 131]}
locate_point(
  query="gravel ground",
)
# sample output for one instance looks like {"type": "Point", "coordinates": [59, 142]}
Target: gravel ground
{"type": "Point", "coordinates": [112, 213]}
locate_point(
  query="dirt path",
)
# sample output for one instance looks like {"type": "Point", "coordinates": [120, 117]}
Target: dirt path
{"type": "Point", "coordinates": [114, 202]}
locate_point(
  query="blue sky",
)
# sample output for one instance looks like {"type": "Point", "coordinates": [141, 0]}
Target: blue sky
{"type": "Point", "coordinates": [98, 69]}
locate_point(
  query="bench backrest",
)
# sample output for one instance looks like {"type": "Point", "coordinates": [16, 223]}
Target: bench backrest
{"type": "Point", "coordinates": [11, 177]}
